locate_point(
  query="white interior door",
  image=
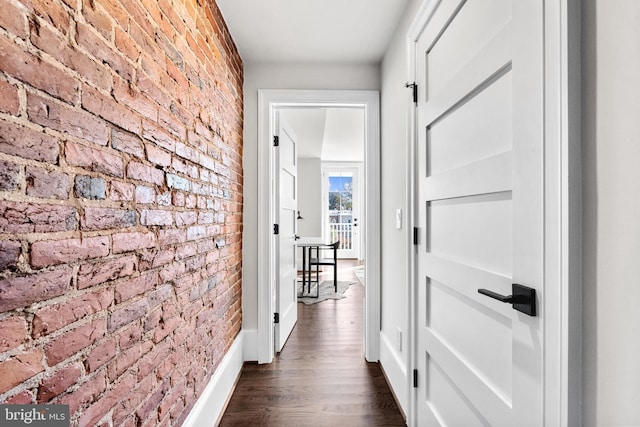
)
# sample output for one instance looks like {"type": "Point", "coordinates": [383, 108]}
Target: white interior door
{"type": "Point", "coordinates": [479, 213]}
{"type": "Point", "coordinates": [286, 206]}
{"type": "Point", "coordinates": [342, 209]}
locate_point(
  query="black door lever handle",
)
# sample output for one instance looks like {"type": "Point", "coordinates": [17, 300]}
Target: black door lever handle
{"type": "Point", "coordinates": [522, 298]}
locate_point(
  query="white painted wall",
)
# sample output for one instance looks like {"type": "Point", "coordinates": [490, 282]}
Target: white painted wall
{"type": "Point", "coordinates": [280, 76]}
{"type": "Point", "coordinates": [395, 104]}
{"type": "Point", "coordinates": [310, 197]}
{"type": "Point", "coordinates": [611, 197]}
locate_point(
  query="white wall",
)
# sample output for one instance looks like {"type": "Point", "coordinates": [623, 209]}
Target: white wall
{"type": "Point", "coordinates": [395, 104]}
{"type": "Point", "coordinates": [611, 197]}
{"type": "Point", "coordinates": [280, 76]}
{"type": "Point", "coordinates": [310, 197]}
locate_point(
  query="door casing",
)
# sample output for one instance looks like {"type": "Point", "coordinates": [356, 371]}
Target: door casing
{"type": "Point", "coordinates": [268, 101]}
{"type": "Point", "coordinates": [562, 304]}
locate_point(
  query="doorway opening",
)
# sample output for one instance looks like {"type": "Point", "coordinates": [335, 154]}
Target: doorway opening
{"type": "Point", "coordinates": [269, 103]}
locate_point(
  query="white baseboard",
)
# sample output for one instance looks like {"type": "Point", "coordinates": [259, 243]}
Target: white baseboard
{"type": "Point", "coordinates": [250, 345]}
{"type": "Point", "coordinates": [395, 369]}
{"type": "Point", "coordinates": [211, 403]}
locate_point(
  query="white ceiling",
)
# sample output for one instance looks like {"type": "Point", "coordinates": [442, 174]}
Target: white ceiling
{"type": "Point", "coordinates": [316, 32]}
{"type": "Point", "coordinates": [331, 134]}
{"type": "Point", "coordinates": [312, 31]}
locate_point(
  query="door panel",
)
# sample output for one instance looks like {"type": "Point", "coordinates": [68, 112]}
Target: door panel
{"type": "Point", "coordinates": [286, 293]}
{"type": "Point", "coordinates": [477, 185]}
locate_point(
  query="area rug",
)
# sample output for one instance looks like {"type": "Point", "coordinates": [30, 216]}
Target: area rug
{"type": "Point", "coordinates": [326, 291]}
{"type": "Point", "coordinates": [359, 272]}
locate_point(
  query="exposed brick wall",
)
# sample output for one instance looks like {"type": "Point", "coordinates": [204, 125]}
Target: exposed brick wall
{"type": "Point", "coordinates": [121, 202]}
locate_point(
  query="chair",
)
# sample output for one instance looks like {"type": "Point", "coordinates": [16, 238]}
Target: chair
{"type": "Point", "coordinates": [319, 260]}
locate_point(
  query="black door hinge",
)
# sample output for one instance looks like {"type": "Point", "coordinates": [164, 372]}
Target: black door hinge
{"type": "Point", "coordinates": [276, 317]}
{"type": "Point", "coordinates": [276, 229]}
{"type": "Point", "coordinates": [415, 378]}
{"type": "Point", "coordinates": [414, 88]}
{"type": "Point", "coordinates": [415, 235]}
{"type": "Point", "coordinates": [276, 140]}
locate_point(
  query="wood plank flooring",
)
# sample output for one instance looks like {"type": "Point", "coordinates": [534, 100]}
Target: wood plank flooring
{"type": "Point", "coordinates": [321, 378]}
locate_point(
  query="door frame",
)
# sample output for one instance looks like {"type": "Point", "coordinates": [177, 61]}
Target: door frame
{"type": "Point", "coordinates": [361, 188]}
{"type": "Point", "coordinates": [268, 101]}
{"type": "Point", "coordinates": [562, 304]}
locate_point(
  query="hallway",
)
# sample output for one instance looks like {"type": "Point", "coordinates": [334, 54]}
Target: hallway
{"type": "Point", "coordinates": [321, 377]}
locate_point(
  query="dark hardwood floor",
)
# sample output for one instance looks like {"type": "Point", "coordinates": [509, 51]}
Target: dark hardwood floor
{"type": "Point", "coordinates": [321, 377]}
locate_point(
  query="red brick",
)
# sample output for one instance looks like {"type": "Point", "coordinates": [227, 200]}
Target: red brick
{"type": "Point", "coordinates": [23, 398]}
{"type": "Point", "coordinates": [95, 274]}
{"type": "Point", "coordinates": [98, 409]}
{"type": "Point", "coordinates": [170, 123]}
{"type": "Point", "coordinates": [157, 135]}
{"type": "Point", "coordinates": [49, 184]}
{"type": "Point", "coordinates": [151, 360]}
{"type": "Point", "coordinates": [100, 355]}
{"type": "Point", "coordinates": [149, 409]}
{"type": "Point", "coordinates": [127, 45]}
{"type": "Point", "coordinates": [57, 45]}
{"type": "Point", "coordinates": [13, 20]}
{"type": "Point", "coordinates": [128, 406]}
{"type": "Point", "coordinates": [127, 314]}
{"type": "Point", "coordinates": [10, 176]}
{"type": "Point", "coordinates": [28, 218]}
{"type": "Point", "coordinates": [151, 217]}
{"type": "Point", "coordinates": [127, 94]}
{"type": "Point", "coordinates": [93, 159]}
{"type": "Point", "coordinates": [9, 254]}
{"type": "Point", "coordinates": [157, 155]}
{"type": "Point", "coordinates": [145, 195]}
{"type": "Point", "coordinates": [148, 85]}
{"type": "Point", "coordinates": [58, 382]}
{"type": "Point", "coordinates": [153, 259]}
{"type": "Point", "coordinates": [172, 236]}
{"type": "Point", "coordinates": [122, 191]}
{"type": "Point", "coordinates": [107, 218]}
{"type": "Point", "coordinates": [145, 173]}
{"type": "Point", "coordinates": [19, 368]}
{"type": "Point", "coordinates": [88, 392]}
{"type": "Point", "coordinates": [129, 336]}
{"type": "Point", "coordinates": [96, 16]}
{"type": "Point", "coordinates": [125, 242]}
{"type": "Point", "coordinates": [9, 101]}
{"type": "Point", "coordinates": [17, 140]}
{"type": "Point", "coordinates": [173, 271]}
{"type": "Point", "coordinates": [36, 72]}
{"type": "Point", "coordinates": [130, 288]}
{"type": "Point", "coordinates": [52, 252]}
{"type": "Point", "coordinates": [19, 292]}
{"type": "Point", "coordinates": [14, 333]}
{"type": "Point", "coordinates": [51, 11]}
{"type": "Point", "coordinates": [98, 48]}
{"type": "Point", "coordinates": [109, 109]}
{"type": "Point", "coordinates": [52, 318]}
{"type": "Point", "coordinates": [69, 343]}
{"type": "Point", "coordinates": [167, 327]}
{"type": "Point", "coordinates": [61, 117]}
{"type": "Point", "coordinates": [124, 141]}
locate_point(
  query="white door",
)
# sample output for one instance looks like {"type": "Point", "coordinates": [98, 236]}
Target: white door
{"type": "Point", "coordinates": [479, 213]}
{"type": "Point", "coordinates": [342, 213]}
{"type": "Point", "coordinates": [286, 206]}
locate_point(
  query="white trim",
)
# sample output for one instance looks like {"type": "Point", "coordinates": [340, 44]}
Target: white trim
{"type": "Point", "coordinates": [250, 345]}
{"type": "Point", "coordinates": [396, 370]}
{"type": "Point", "coordinates": [562, 177]}
{"type": "Point", "coordinates": [268, 100]}
{"type": "Point", "coordinates": [212, 402]}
